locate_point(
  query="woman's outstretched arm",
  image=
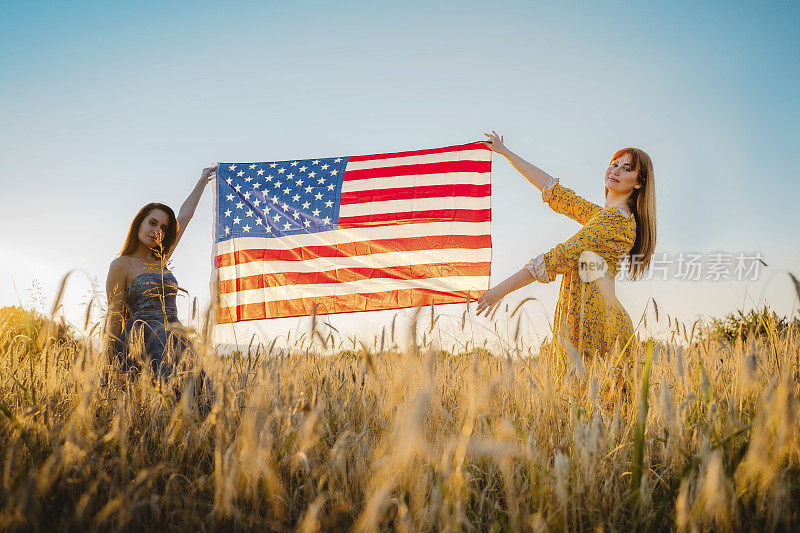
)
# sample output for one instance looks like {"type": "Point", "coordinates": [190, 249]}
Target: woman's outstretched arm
{"type": "Point", "coordinates": [491, 298]}
{"type": "Point", "coordinates": [187, 210]}
{"type": "Point", "coordinates": [532, 173]}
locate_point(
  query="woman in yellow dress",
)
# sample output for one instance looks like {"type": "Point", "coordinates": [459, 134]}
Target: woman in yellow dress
{"type": "Point", "coordinates": [588, 315]}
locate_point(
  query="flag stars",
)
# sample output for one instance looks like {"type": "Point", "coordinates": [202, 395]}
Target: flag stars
{"type": "Point", "coordinates": [260, 171]}
{"type": "Point", "coordinates": [281, 170]}
{"type": "Point", "coordinates": [303, 168]}
{"type": "Point", "coordinates": [314, 162]}
{"type": "Point", "coordinates": [308, 189]}
{"type": "Point", "coordinates": [318, 196]}
{"type": "Point", "coordinates": [287, 190]}
{"type": "Point", "coordinates": [250, 213]}
{"type": "Point", "coordinates": [229, 197]}
{"type": "Point", "coordinates": [307, 222]}
{"type": "Point", "coordinates": [306, 205]}
{"type": "Point", "coordinates": [232, 167]}
{"type": "Point", "coordinates": [237, 220]}
{"type": "Point", "coordinates": [239, 205]}
{"type": "Point", "coordinates": [256, 202]}
{"type": "Point", "coordinates": [312, 174]}
{"type": "Point", "coordinates": [327, 220]}
{"type": "Point", "coordinates": [328, 203]}
{"type": "Point", "coordinates": [294, 163]}
{"type": "Point", "coordinates": [247, 195]}
{"type": "Point", "coordinates": [273, 165]}
{"type": "Point", "coordinates": [248, 179]}
{"type": "Point", "coordinates": [269, 178]}
{"type": "Point", "coordinates": [315, 213]}
{"type": "Point", "coordinates": [259, 222]}
{"type": "Point", "coordinates": [227, 230]}
{"type": "Point", "coordinates": [277, 217]}
{"type": "Point", "coordinates": [337, 160]}
{"type": "Point", "coordinates": [229, 180]}
{"type": "Point", "coordinates": [240, 173]}
{"type": "Point", "coordinates": [321, 181]}
{"type": "Point", "coordinates": [238, 188]}
{"type": "Point", "coordinates": [275, 199]}
{"type": "Point", "coordinates": [257, 185]}
{"type": "Point", "coordinates": [296, 215]}
{"type": "Point", "coordinates": [296, 198]}
{"type": "Point", "coordinates": [285, 207]}
{"type": "Point", "coordinates": [325, 166]}
{"type": "Point", "coordinates": [331, 187]}
{"type": "Point", "coordinates": [247, 228]}
{"type": "Point", "coordinates": [228, 213]}
{"type": "Point", "coordinates": [334, 172]}
{"type": "Point", "coordinates": [289, 175]}
{"type": "Point", "coordinates": [298, 182]}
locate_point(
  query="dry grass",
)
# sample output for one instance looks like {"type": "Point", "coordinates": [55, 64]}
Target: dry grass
{"type": "Point", "coordinates": [373, 439]}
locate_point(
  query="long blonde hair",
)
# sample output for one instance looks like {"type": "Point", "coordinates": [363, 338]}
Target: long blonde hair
{"type": "Point", "coordinates": [642, 204]}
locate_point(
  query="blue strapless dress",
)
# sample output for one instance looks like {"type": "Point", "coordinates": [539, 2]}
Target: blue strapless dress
{"type": "Point", "coordinates": [151, 301]}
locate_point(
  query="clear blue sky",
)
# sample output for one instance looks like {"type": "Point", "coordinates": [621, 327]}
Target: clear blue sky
{"type": "Point", "coordinates": [106, 107]}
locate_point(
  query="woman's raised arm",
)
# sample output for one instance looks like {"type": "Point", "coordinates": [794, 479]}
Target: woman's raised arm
{"type": "Point", "coordinates": [115, 292]}
{"type": "Point", "coordinates": [532, 173]}
{"type": "Point", "coordinates": [188, 207]}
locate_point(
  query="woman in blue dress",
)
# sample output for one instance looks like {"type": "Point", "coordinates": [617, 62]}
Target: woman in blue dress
{"type": "Point", "coordinates": [142, 292]}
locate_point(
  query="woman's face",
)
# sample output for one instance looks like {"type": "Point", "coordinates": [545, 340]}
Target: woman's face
{"type": "Point", "coordinates": [153, 228]}
{"type": "Point", "coordinates": [620, 177]}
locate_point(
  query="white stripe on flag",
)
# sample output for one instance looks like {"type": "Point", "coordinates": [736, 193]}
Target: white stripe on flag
{"type": "Point", "coordinates": [383, 260]}
{"type": "Point", "coordinates": [448, 284]}
{"type": "Point", "coordinates": [463, 155]}
{"type": "Point", "coordinates": [341, 236]}
{"type": "Point", "coordinates": [414, 204]}
{"type": "Point", "coordinates": [395, 182]}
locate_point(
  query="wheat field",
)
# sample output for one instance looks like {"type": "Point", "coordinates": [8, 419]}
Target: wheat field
{"type": "Point", "coordinates": [333, 434]}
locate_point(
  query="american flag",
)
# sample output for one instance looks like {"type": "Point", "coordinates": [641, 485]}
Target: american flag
{"type": "Point", "coordinates": [352, 233]}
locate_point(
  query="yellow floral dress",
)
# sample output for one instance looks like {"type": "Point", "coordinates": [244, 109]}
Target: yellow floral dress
{"type": "Point", "coordinates": [588, 313]}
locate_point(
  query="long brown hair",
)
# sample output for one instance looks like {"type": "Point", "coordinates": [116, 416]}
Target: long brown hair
{"type": "Point", "coordinates": [642, 204]}
{"type": "Point", "coordinates": [167, 240]}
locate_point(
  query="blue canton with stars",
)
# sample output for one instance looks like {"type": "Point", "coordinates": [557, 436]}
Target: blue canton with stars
{"type": "Point", "coordinates": [278, 198]}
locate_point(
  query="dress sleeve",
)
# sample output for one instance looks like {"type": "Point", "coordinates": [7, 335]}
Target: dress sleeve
{"type": "Point", "coordinates": [565, 201]}
{"type": "Point", "coordinates": [604, 236]}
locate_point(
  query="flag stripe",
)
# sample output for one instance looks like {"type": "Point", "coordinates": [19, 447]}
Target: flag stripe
{"type": "Point", "coordinates": [364, 286]}
{"type": "Point", "coordinates": [415, 204]}
{"type": "Point", "coordinates": [458, 178]}
{"type": "Point", "coordinates": [462, 155]}
{"type": "Point", "coordinates": [351, 303]}
{"type": "Point", "coordinates": [428, 191]}
{"type": "Point", "coordinates": [353, 235]}
{"type": "Point", "coordinates": [412, 217]}
{"type": "Point", "coordinates": [418, 170]}
{"type": "Point", "coordinates": [376, 261]}
{"type": "Point", "coordinates": [260, 281]}
{"type": "Point", "coordinates": [352, 249]}
{"type": "Point", "coordinates": [461, 147]}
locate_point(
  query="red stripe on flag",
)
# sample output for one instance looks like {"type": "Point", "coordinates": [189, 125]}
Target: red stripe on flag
{"type": "Point", "coordinates": [344, 275]}
{"type": "Point", "coordinates": [416, 217]}
{"type": "Point", "coordinates": [346, 303]}
{"type": "Point", "coordinates": [407, 193]}
{"type": "Point", "coordinates": [471, 146]}
{"type": "Point", "coordinates": [349, 249]}
{"type": "Point", "coordinates": [444, 167]}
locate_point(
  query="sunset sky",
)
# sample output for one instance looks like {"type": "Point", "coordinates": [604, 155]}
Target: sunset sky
{"type": "Point", "coordinates": [105, 108]}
